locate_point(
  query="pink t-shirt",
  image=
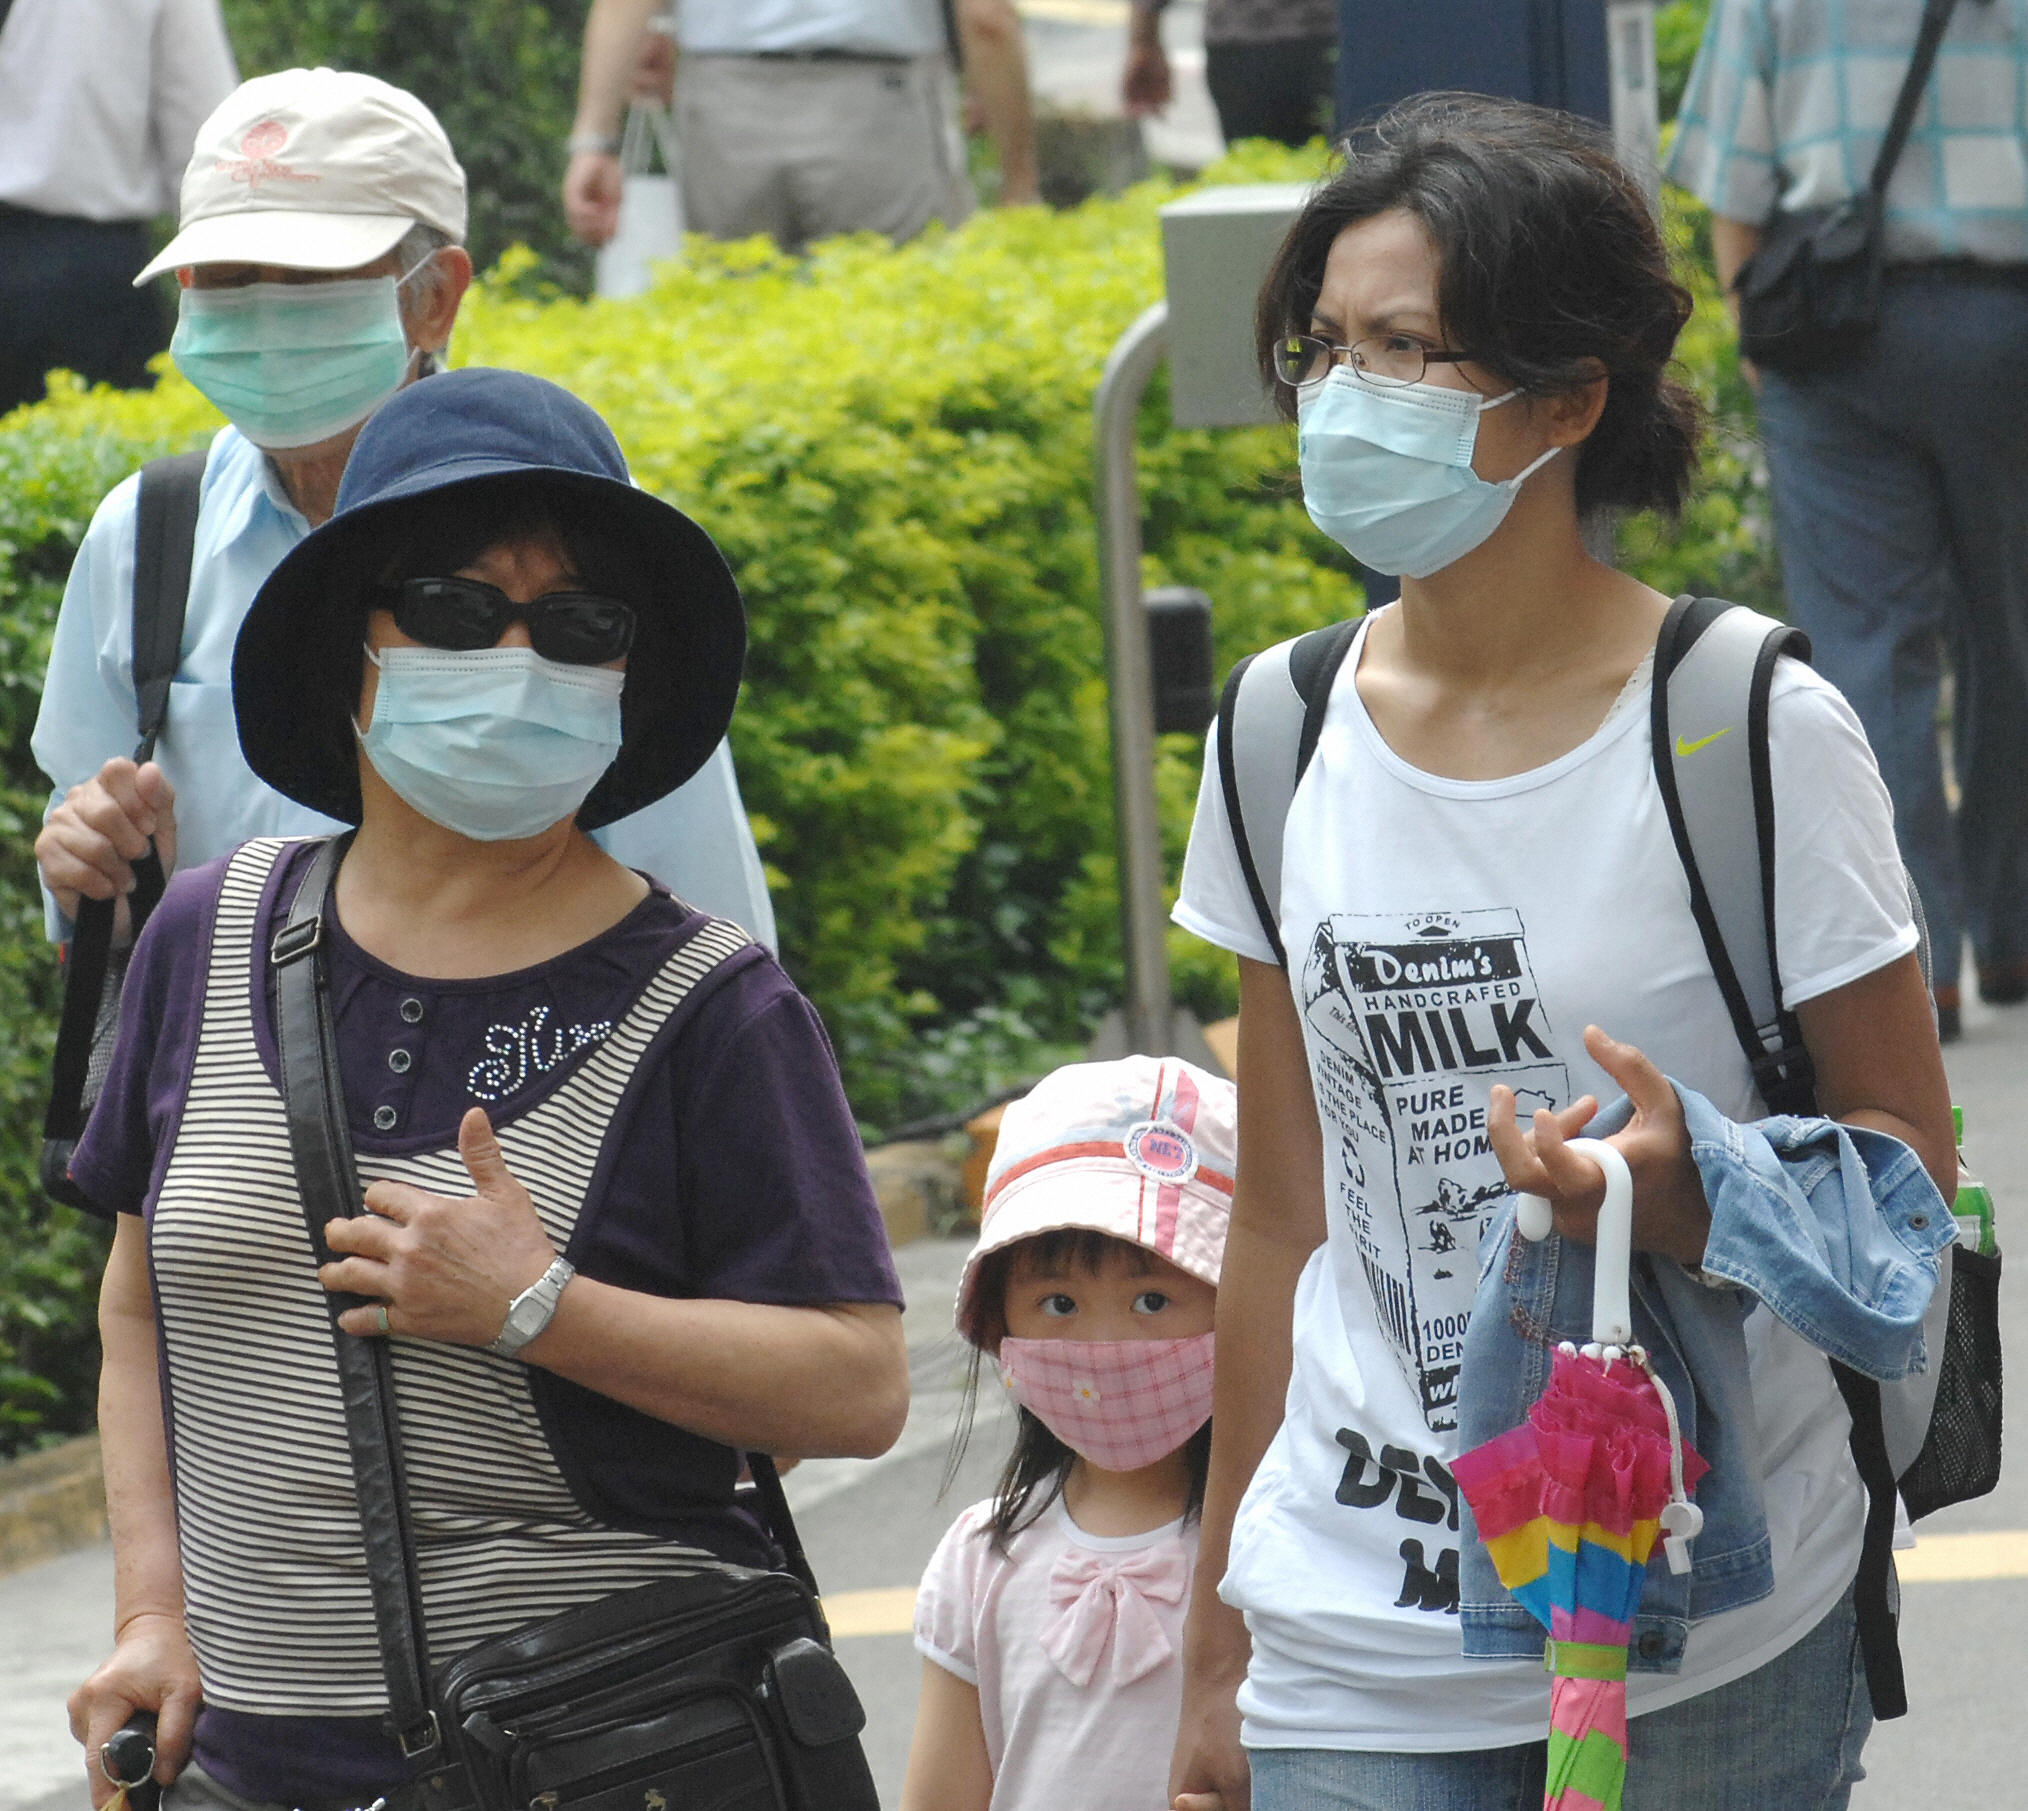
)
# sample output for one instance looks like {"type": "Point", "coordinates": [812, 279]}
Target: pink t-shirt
{"type": "Point", "coordinates": [1075, 1642]}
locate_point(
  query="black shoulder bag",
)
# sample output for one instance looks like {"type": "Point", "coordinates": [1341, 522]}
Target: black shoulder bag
{"type": "Point", "coordinates": [716, 1686]}
{"type": "Point", "coordinates": [1809, 298]}
{"type": "Point", "coordinates": [165, 537]}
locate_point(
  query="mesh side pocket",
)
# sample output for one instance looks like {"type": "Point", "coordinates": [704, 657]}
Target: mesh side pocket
{"type": "Point", "coordinates": [106, 1029]}
{"type": "Point", "coordinates": [1960, 1458]}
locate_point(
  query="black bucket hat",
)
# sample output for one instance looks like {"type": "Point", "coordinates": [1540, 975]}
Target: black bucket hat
{"type": "Point", "coordinates": [431, 449]}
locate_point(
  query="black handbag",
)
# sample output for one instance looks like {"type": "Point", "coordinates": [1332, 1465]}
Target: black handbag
{"type": "Point", "coordinates": [715, 1686]}
{"type": "Point", "coordinates": [1809, 297]}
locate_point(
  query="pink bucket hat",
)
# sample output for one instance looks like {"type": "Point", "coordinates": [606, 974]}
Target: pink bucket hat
{"type": "Point", "coordinates": [1144, 1149]}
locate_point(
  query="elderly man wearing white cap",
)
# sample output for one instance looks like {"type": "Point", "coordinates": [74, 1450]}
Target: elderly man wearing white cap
{"type": "Point", "coordinates": [322, 265]}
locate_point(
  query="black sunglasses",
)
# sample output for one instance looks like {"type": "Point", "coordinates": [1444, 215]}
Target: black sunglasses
{"type": "Point", "coordinates": [574, 627]}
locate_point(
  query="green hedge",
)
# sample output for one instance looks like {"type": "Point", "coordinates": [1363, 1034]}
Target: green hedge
{"type": "Point", "coordinates": [894, 449]}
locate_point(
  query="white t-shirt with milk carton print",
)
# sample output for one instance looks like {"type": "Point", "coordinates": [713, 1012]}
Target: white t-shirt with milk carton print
{"type": "Point", "coordinates": [1444, 935]}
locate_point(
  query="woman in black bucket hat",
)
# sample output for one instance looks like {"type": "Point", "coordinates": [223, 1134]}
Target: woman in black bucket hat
{"type": "Point", "coordinates": [619, 1229]}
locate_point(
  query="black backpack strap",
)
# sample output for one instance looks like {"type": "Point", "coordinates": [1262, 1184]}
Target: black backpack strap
{"type": "Point", "coordinates": [165, 539]}
{"type": "Point", "coordinates": [1269, 718]}
{"type": "Point", "coordinates": [1873, 1589]}
{"type": "Point", "coordinates": [1714, 667]}
{"type": "Point", "coordinates": [165, 542]}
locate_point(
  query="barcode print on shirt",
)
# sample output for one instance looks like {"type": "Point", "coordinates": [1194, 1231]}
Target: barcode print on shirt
{"type": "Point", "coordinates": [274, 1574]}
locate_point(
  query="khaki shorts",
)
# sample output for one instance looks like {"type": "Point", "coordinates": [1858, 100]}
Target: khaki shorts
{"type": "Point", "coordinates": [800, 150]}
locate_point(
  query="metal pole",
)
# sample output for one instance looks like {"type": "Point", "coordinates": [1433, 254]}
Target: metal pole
{"type": "Point", "coordinates": [1144, 924]}
{"type": "Point", "coordinates": [1636, 107]}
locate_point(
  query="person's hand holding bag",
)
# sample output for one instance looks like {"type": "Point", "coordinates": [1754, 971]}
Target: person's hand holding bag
{"type": "Point", "coordinates": [442, 1268]}
{"type": "Point", "coordinates": [1670, 1213]}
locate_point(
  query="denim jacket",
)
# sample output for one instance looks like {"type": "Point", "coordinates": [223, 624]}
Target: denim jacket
{"type": "Point", "coordinates": [1837, 1229]}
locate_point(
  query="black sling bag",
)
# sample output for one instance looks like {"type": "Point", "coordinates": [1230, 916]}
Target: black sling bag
{"type": "Point", "coordinates": [1809, 298]}
{"type": "Point", "coordinates": [715, 1686]}
{"type": "Point", "coordinates": [165, 538]}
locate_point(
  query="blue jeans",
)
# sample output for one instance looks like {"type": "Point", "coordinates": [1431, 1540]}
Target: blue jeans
{"type": "Point", "coordinates": [1785, 1738]}
{"type": "Point", "coordinates": [1901, 512]}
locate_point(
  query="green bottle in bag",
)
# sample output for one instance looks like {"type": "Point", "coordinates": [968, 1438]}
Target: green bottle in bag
{"type": "Point", "coordinates": [1973, 1206]}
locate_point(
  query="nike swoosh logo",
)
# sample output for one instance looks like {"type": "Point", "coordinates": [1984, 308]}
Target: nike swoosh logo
{"type": "Point", "coordinates": [1685, 749]}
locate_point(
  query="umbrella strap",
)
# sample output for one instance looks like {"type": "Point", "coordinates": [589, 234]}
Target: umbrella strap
{"type": "Point", "coordinates": [1682, 1520]}
{"type": "Point", "coordinates": [1584, 1660]}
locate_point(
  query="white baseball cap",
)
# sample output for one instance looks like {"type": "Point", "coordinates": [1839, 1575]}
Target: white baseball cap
{"type": "Point", "coordinates": [314, 169]}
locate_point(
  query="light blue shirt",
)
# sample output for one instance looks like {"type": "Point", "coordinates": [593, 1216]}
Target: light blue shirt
{"type": "Point", "coordinates": [888, 28]}
{"type": "Point", "coordinates": [1789, 100]}
{"type": "Point", "coordinates": [696, 841]}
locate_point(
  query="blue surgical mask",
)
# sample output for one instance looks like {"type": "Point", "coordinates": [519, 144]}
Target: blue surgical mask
{"type": "Point", "coordinates": [493, 743]}
{"type": "Point", "coordinates": [290, 364]}
{"type": "Point", "coordinates": [1387, 471]}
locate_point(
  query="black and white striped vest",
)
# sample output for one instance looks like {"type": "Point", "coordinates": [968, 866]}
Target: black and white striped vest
{"type": "Point", "coordinates": [273, 1569]}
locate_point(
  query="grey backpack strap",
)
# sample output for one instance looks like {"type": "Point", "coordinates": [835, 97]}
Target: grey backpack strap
{"type": "Point", "coordinates": [1269, 718]}
{"type": "Point", "coordinates": [1714, 666]}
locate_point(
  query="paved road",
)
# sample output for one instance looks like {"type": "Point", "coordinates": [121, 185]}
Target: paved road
{"type": "Point", "coordinates": [870, 1528]}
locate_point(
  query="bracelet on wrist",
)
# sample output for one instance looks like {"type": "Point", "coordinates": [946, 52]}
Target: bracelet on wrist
{"type": "Point", "coordinates": [605, 144]}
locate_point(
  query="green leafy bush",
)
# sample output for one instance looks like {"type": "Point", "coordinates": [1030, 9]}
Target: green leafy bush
{"type": "Point", "coordinates": [894, 448]}
{"type": "Point", "coordinates": [1679, 27]}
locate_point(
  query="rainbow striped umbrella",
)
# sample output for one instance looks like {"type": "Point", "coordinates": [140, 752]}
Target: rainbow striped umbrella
{"type": "Point", "coordinates": [1571, 1503]}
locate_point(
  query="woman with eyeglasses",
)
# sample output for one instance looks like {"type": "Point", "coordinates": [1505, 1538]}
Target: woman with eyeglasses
{"type": "Point", "coordinates": [1482, 930]}
{"type": "Point", "coordinates": [619, 1229]}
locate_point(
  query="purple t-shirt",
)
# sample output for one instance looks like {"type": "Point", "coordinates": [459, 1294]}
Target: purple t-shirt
{"type": "Point", "coordinates": [733, 1171]}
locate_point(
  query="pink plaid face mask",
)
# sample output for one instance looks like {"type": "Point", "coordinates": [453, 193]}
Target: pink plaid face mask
{"type": "Point", "coordinates": [1121, 1403]}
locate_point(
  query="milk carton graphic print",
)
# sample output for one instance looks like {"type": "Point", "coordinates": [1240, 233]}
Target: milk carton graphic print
{"type": "Point", "coordinates": [1412, 1019]}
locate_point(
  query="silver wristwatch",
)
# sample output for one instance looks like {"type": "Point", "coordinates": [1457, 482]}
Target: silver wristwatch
{"type": "Point", "coordinates": [530, 1311]}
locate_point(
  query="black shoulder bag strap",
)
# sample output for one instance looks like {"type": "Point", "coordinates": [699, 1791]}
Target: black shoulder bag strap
{"type": "Point", "coordinates": [165, 538]}
{"type": "Point", "coordinates": [1714, 667]}
{"type": "Point", "coordinates": [321, 1146]}
{"type": "Point", "coordinates": [1936, 18]}
{"type": "Point", "coordinates": [314, 1096]}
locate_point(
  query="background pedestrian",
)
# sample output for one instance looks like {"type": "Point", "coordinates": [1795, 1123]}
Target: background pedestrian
{"type": "Point", "coordinates": [1268, 63]}
{"type": "Point", "coordinates": [804, 118]}
{"type": "Point", "coordinates": [100, 102]}
{"type": "Point", "coordinates": [1901, 475]}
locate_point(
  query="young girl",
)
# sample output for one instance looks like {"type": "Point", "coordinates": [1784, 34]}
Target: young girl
{"type": "Point", "coordinates": [1051, 1616]}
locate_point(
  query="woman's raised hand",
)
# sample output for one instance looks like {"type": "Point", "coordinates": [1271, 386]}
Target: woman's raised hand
{"type": "Point", "coordinates": [1670, 1214]}
{"type": "Point", "coordinates": [445, 1268]}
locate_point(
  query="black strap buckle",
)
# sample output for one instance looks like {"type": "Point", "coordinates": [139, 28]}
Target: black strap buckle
{"type": "Point", "coordinates": [296, 940]}
{"type": "Point", "coordinates": [1784, 1073]}
{"type": "Point", "coordinates": [423, 1739]}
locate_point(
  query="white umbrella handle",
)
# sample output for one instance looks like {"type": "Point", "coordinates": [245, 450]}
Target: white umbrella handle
{"type": "Point", "coordinates": [1612, 1319]}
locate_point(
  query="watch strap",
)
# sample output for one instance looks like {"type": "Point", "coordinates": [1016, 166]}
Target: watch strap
{"type": "Point", "coordinates": [545, 1292]}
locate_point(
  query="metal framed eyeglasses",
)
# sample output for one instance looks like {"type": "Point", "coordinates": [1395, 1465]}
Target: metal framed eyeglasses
{"type": "Point", "coordinates": [1388, 359]}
